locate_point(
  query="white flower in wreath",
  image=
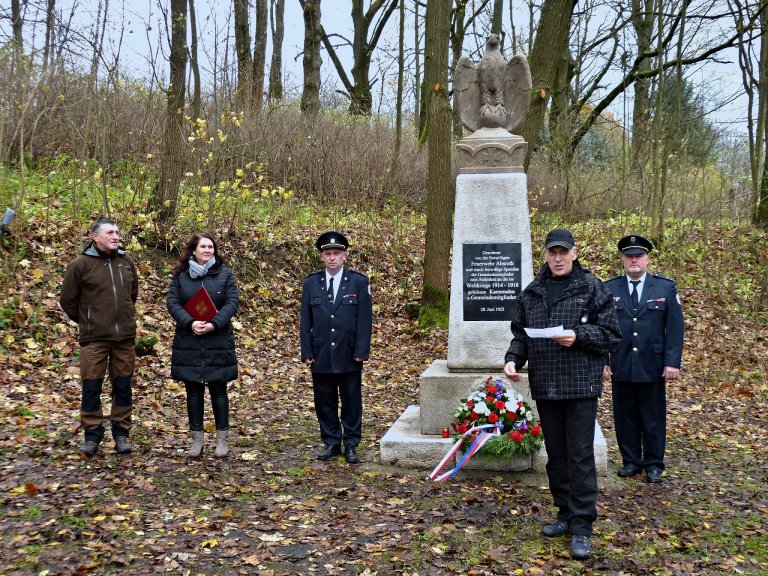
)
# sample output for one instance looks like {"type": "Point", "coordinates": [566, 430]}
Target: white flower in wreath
{"type": "Point", "coordinates": [481, 409]}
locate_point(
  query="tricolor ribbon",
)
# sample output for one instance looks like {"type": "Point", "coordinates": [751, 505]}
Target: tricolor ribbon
{"type": "Point", "coordinates": [478, 443]}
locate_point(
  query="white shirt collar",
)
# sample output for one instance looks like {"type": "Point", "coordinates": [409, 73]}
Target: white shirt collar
{"type": "Point", "coordinates": [642, 280]}
{"type": "Point", "coordinates": [328, 275]}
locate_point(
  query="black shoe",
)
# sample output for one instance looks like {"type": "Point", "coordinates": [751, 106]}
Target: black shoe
{"type": "Point", "coordinates": [557, 528]}
{"type": "Point", "coordinates": [653, 475]}
{"type": "Point", "coordinates": [629, 470]}
{"type": "Point", "coordinates": [122, 446]}
{"type": "Point", "coordinates": [581, 547]}
{"type": "Point", "coordinates": [329, 452]}
{"type": "Point", "coordinates": [89, 448]}
{"type": "Point", "coordinates": [350, 455]}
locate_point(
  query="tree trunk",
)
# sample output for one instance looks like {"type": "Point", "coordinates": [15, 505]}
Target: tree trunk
{"type": "Point", "coordinates": [260, 53]}
{"type": "Point", "coordinates": [417, 87]}
{"type": "Point", "coordinates": [642, 22]}
{"type": "Point", "coordinates": [172, 163]}
{"type": "Point", "coordinates": [560, 119]}
{"type": "Point", "coordinates": [358, 89]}
{"type": "Point", "coordinates": [194, 63]}
{"type": "Point", "coordinates": [50, 38]}
{"type": "Point", "coordinates": [496, 20]}
{"type": "Point", "coordinates": [310, 97]}
{"type": "Point", "coordinates": [243, 51]}
{"type": "Point", "coordinates": [760, 165]}
{"type": "Point", "coordinates": [437, 253]}
{"type": "Point", "coordinates": [360, 96]}
{"type": "Point", "coordinates": [659, 161]}
{"type": "Point", "coordinates": [395, 171]}
{"type": "Point", "coordinates": [550, 43]}
{"type": "Point", "coordinates": [277, 17]}
{"type": "Point", "coordinates": [16, 25]}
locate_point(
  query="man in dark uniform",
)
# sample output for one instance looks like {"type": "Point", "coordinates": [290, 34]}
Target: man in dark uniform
{"type": "Point", "coordinates": [336, 325]}
{"type": "Point", "coordinates": [651, 320]}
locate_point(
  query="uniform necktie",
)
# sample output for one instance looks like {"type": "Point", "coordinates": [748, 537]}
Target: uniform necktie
{"type": "Point", "coordinates": [330, 290]}
{"type": "Point", "coordinates": [633, 296]}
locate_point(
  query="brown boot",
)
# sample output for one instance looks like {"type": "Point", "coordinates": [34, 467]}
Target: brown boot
{"type": "Point", "coordinates": [221, 443]}
{"type": "Point", "coordinates": [198, 437]}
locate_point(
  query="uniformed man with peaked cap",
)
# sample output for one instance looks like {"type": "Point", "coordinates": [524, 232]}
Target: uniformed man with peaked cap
{"type": "Point", "coordinates": [650, 355]}
{"type": "Point", "coordinates": [336, 326]}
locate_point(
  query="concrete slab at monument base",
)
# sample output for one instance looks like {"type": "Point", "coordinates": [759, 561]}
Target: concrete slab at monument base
{"type": "Point", "coordinates": [404, 445]}
{"type": "Point", "coordinates": [441, 391]}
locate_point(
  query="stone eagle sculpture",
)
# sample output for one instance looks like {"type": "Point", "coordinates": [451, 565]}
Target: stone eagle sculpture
{"type": "Point", "coordinates": [492, 93]}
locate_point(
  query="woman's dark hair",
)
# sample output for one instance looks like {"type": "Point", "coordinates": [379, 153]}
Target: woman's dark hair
{"type": "Point", "coordinates": [190, 248]}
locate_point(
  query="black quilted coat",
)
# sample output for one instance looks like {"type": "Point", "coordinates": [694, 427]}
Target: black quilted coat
{"type": "Point", "coordinates": [557, 372]}
{"type": "Point", "coordinates": [210, 357]}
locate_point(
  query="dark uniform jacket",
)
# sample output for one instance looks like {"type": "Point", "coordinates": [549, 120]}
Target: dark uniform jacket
{"type": "Point", "coordinates": [653, 338]}
{"type": "Point", "coordinates": [210, 357]}
{"type": "Point", "coordinates": [336, 333]}
{"type": "Point", "coordinates": [557, 372]}
{"type": "Point", "coordinates": [99, 293]}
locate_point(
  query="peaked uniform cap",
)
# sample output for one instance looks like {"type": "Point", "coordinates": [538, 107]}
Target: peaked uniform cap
{"type": "Point", "coordinates": [332, 240]}
{"type": "Point", "coordinates": [634, 244]}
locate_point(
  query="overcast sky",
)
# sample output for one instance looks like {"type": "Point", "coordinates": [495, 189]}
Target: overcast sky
{"type": "Point", "coordinates": [136, 28]}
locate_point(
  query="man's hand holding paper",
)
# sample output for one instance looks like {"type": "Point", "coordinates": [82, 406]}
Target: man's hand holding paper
{"type": "Point", "coordinates": [557, 333]}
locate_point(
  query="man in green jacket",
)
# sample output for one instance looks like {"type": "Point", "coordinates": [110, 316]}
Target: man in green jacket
{"type": "Point", "coordinates": [99, 293]}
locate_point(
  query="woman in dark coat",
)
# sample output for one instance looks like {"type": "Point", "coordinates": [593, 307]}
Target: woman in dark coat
{"type": "Point", "coordinates": [204, 351]}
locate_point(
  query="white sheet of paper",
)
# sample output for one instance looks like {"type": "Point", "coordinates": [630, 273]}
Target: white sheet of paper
{"type": "Point", "coordinates": [547, 332]}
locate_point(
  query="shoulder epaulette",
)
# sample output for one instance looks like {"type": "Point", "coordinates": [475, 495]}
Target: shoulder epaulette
{"type": "Point", "coordinates": [615, 278]}
{"type": "Point", "coordinates": [314, 273]}
{"type": "Point", "coordinates": [662, 277]}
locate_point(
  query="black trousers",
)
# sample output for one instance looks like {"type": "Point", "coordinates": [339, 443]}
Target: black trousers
{"type": "Point", "coordinates": [640, 418]}
{"type": "Point", "coordinates": [196, 402]}
{"type": "Point", "coordinates": [328, 390]}
{"type": "Point", "coordinates": [569, 436]}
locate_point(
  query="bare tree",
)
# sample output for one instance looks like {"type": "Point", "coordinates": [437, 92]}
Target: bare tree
{"type": "Point", "coordinates": [642, 23]}
{"type": "Point", "coordinates": [364, 42]}
{"type": "Point", "coordinates": [310, 96]}
{"type": "Point", "coordinates": [550, 43]}
{"type": "Point", "coordinates": [399, 95]}
{"type": "Point", "coordinates": [172, 160]}
{"type": "Point", "coordinates": [277, 17]}
{"type": "Point", "coordinates": [17, 23]}
{"type": "Point", "coordinates": [437, 251]}
{"type": "Point", "coordinates": [50, 20]}
{"type": "Point", "coordinates": [194, 63]}
{"type": "Point", "coordinates": [496, 20]}
{"type": "Point", "coordinates": [260, 53]}
{"type": "Point", "coordinates": [243, 50]}
{"type": "Point", "coordinates": [417, 82]}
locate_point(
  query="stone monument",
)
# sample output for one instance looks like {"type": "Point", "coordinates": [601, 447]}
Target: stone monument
{"type": "Point", "coordinates": [491, 263]}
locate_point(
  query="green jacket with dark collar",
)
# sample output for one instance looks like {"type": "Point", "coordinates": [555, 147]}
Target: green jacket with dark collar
{"type": "Point", "coordinates": [99, 293]}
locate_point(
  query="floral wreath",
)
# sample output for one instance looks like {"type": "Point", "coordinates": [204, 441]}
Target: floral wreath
{"type": "Point", "coordinates": [518, 433]}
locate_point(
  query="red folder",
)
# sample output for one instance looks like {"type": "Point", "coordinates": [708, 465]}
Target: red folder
{"type": "Point", "coordinates": [200, 306]}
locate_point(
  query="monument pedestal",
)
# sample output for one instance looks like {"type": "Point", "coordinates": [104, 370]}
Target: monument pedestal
{"type": "Point", "coordinates": [491, 264]}
{"type": "Point", "coordinates": [415, 441]}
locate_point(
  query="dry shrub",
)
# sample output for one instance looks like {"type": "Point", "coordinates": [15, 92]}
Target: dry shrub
{"type": "Point", "coordinates": [336, 157]}
{"type": "Point", "coordinates": [333, 157]}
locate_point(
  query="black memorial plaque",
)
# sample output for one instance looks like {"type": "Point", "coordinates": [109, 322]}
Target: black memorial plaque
{"type": "Point", "coordinates": [491, 280]}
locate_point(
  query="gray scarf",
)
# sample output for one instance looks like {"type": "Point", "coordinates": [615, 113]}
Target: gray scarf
{"type": "Point", "coordinates": [198, 271]}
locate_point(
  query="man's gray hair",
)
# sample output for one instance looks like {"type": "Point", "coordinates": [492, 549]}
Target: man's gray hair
{"type": "Point", "coordinates": [102, 222]}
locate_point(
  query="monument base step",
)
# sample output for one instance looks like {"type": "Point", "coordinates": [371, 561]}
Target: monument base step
{"type": "Point", "coordinates": [405, 446]}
